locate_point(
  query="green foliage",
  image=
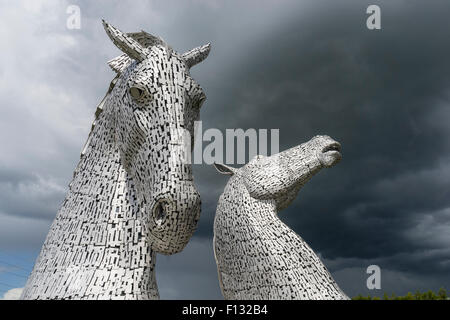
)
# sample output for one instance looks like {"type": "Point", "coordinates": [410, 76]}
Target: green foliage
{"type": "Point", "coordinates": [429, 295]}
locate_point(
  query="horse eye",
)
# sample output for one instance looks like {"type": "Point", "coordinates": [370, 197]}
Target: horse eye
{"type": "Point", "coordinates": [136, 93]}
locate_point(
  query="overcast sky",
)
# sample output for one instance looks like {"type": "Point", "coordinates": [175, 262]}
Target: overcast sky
{"type": "Point", "coordinates": [304, 67]}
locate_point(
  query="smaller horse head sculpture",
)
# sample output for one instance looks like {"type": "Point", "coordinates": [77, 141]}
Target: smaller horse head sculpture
{"type": "Point", "coordinates": [257, 255]}
{"type": "Point", "coordinates": [153, 106]}
{"type": "Point", "coordinates": [280, 176]}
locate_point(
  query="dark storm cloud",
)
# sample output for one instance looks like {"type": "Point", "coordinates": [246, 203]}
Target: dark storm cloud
{"type": "Point", "coordinates": [194, 270]}
{"type": "Point", "coordinates": [384, 96]}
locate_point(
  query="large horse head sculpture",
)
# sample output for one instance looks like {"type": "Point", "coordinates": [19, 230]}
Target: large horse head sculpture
{"type": "Point", "coordinates": [132, 194]}
{"type": "Point", "coordinates": [154, 104]}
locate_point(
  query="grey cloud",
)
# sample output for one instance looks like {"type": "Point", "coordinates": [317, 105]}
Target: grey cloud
{"type": "Point", "coordinates": [28, 195]}
{"type": "Point", "coordinates": [192, 273]}
{"type": "Point", "coordinates": [22, 234]}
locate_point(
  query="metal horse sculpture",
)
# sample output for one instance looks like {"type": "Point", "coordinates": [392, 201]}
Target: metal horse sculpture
{"type": "Point", "coordinates": [132, 194]}
{"type": "Point", "coordinates": [257, 255]}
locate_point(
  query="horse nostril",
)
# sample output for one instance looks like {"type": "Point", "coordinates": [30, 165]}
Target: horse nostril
{"type": "Point", "coordinates": [159, 211]}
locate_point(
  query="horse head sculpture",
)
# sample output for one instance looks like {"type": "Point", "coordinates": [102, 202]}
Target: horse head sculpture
{"type": "Point", "coordinates": [257, 255]}
{"type": "Point", "coordinates": [154, 105]}
{"type": "Point", "coordinates": [132, 193]}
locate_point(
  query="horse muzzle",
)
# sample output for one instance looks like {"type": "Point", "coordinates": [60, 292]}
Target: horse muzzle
{"type": "Point", "coordinates": [174, 217]}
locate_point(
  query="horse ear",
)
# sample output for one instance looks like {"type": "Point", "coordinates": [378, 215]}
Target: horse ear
{"type": "Point", "coordinates": [223, 169]}
{"type": "Point", "coordinates": [120, 63]}
{"type": "Point", "coordinates": [126, 43]}
{"type": "Point", "coordinates": [196, 55]}
{"type": "Point", "coordinates": [146, 40]}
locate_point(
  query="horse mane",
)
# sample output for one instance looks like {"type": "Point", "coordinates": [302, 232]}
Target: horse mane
{"type": "Point", "coordinates": [98, 111]}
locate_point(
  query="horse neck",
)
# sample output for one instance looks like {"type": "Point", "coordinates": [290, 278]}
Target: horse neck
{"type": "Point", "coordinates": [262, 217]}
{"type": "Point", "coordinates": [258, 211]}
{"type": "Point", "coordinates": [97, 247]}
{"type": "Point", "coordinates": [258, 230]}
